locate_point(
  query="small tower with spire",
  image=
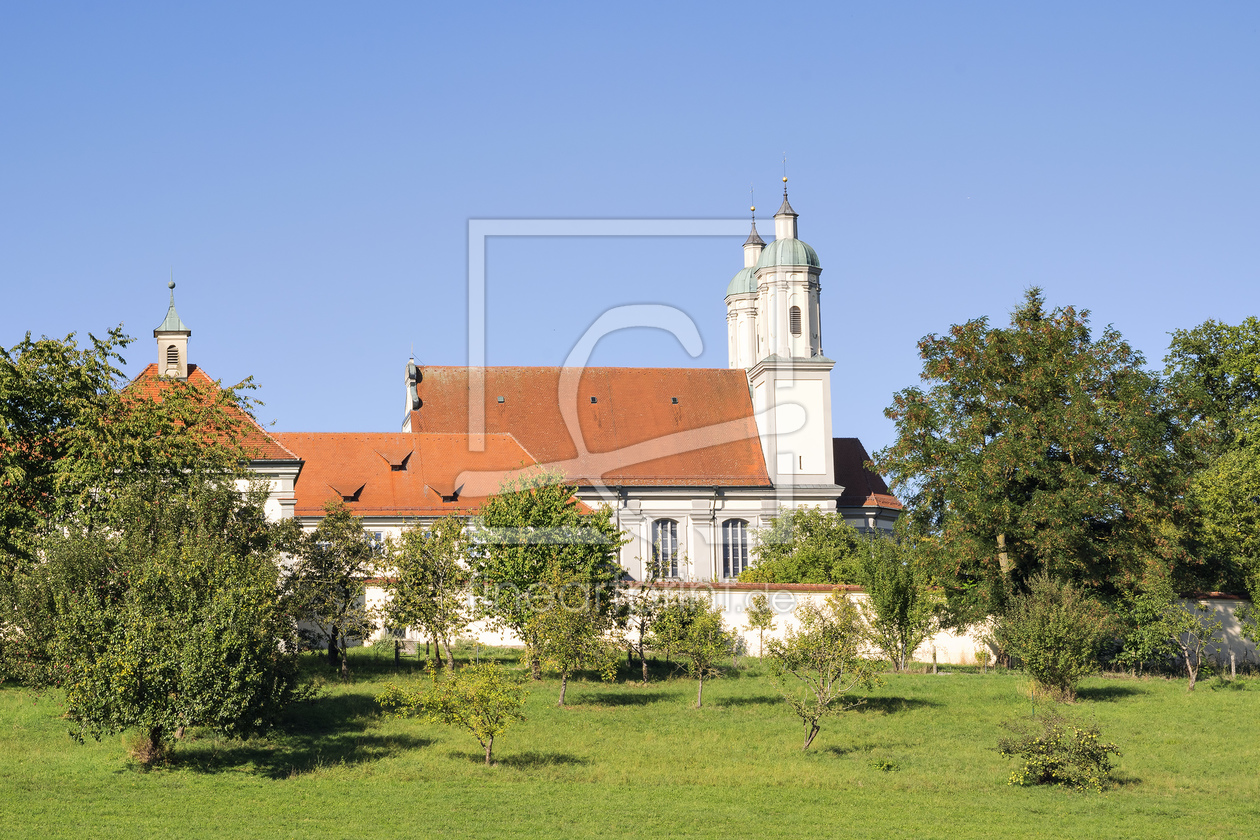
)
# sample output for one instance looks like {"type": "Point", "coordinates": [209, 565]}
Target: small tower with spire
{"type": "Point", "coordinates": [172, 342]}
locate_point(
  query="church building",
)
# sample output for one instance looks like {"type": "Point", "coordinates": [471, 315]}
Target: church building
{"type": "Point", "coordinates": [691, 460]}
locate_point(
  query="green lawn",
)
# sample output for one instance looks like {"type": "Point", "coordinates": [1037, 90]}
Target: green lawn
{"type": "Point", "coordinates": [629, 761]}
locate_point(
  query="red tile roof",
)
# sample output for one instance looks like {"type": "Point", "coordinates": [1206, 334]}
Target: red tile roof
{"type": "Point", "coordinates": [633, 432]}
{"type": "Point", "coordinates": [862, 487]}
{"type": "Point", "coordinates": [257, 443]}
{"type": "Point", "coordinates": [431, 466]}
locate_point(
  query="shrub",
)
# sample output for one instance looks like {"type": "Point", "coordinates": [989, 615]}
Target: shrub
{"type": "Point", "coordinates": [482, 699]}
{"type": "Point", "coordinates": [1056, 631]}
{"type": "Point", "coordinates": [1056, 751]}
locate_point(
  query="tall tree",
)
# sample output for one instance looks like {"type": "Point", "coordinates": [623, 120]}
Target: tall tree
{"type": "Point", "coordinates": [48, 387]}
{"type": "Point", "coordinates": [72, 437]}
{"type": "Point", "coordinates": [328, 581]}
{"type": "Point", "coordinates": [428, 582]}
{"type": "Point", "coordinates": [805, 545]}
{"type": "Point", "coordinates": [1036, 447]}
{"type": "Point", "coordinates": [1214, 375]}
{"type": "Point", "coordinates": [532, 526]}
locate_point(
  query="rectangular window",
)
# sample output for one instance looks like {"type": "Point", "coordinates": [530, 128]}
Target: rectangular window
{"type": "Point", "coordinates": [734, 548]}
{"type": "Point", "coordinates": [665, 547]}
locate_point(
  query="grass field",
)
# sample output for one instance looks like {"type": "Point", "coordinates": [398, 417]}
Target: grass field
{"type": "Point", "coordinates": [624, 760]}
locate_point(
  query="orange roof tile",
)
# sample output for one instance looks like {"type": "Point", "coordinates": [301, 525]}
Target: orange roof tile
{"type": "Point", "coordinates": [256, 442]}
{"type": "Point", "coordinates": [862, 487]}
{"type": "Point", "coordinates": [632, 430]}
{"type": "Point", "coordinates": [341, 465]}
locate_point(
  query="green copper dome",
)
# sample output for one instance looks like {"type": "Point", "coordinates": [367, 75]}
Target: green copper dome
{"type": "Point", "coordinates": [788, 252]}
{"type": "Point", "coordinates": [744, 283]}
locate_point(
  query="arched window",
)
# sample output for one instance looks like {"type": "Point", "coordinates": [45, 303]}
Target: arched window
{"type": "Point", "coordinates": [794, 320]}
{"type": "Point", "coordinates": [172, 356]}
{"type": "Point", "coordinates": [665, 547]}
{"type": "Point", "coordinates": [734, 547]}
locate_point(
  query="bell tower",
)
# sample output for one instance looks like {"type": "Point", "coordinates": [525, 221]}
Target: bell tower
{"type": "Point", "coordinates": [172, 342]}
{"type": "Point", "coordinates": [789, 376]}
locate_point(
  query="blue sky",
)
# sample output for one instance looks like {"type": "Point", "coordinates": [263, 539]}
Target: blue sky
{"type": "Point", "coordinates": [308, 170]}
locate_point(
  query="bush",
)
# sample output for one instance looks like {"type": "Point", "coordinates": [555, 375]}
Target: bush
{"type": "Point", "coordinates": [806, 546]}
{"type": "Point", "coordinates": [1056, 631]}
{"type": "Point", "coordinates": [1056, 751]}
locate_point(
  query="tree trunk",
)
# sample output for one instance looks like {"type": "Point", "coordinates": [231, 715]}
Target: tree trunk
{"type": "Point", "coordinates": [700, 691]}
{"type": "Point", "coordinates": [535, 666]}
{"type": "Point", "coordinates": [437, 652]}
{"type": "Point", "coordinates": [489, 747]}
{"type": "Point", "coordinates": [332, 649]}
{"type": "Point", "coordinates": [564, 685]}
{"type": "Point", "coordinates": [811, 730]}
{"type": "Point", "coordinates": [643, 662]}
{"type": "Point", "coordinates": [1004, 560]}
{"type": "Point", "coordinates": [450, 658]}
{"type": "Point", "coordinates": [345, 665]}
{"type": "Point", "coordinates": [397, 654]}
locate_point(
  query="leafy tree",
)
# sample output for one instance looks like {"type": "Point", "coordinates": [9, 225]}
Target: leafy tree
{"type": "Point", "coordinates": [1056, 631]}
{"type": "Point", "coordinates": [174, 621]}
{"type": "Point", "coordinates": [1151, 625]}
{"type": "Point", "coordinates": [47, 388]}
{"type": "Point", "coordinates": [571, 631]}
{"type": "Point", "coordinates": [534, 524]}
{"type": "Point", "coordinates": [760, 619]}
{"type": "Point", "coordinates": [805, 545]}
{"type": "Point", "coordinates": [701, 639]}
{"type": "Point", "coordinates": [1214, 375]}
{"type": "Point", "coordinates": [1195, 630]}
{"type": "Point", "coordinates": [72, 438]}
{"type": "Point", "coordinates": [481, 698]}
{"type": "Point", "coordinates": [673, 623]}
{"type": "Point", "coordinates": [429, 585]}
{"type": "Point", "coordinates": [901, 609]}
{"type": "Point", "coordinates": [334, 563]}
{"type": "Point", "coordinates": [819, 661]}
{"type": "Point", "coordinates": [1036, 447]}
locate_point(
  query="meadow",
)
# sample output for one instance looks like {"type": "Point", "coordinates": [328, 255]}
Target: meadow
{"type": "Point", "coordinates": [918, 760]}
